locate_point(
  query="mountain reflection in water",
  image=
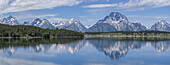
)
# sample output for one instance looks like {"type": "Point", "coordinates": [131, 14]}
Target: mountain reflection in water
{"type": "Point", "coordinates": [115, 48]}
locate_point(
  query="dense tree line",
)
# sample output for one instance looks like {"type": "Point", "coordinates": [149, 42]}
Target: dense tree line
{"type": "Point", "coordinates": [32, 31]}
{"type": "Point", "coordinates": [140, 33]}
{"type": "Point", "coordinates": [154, 39]}
{"type": "Point", "coordinates": [24, 42]}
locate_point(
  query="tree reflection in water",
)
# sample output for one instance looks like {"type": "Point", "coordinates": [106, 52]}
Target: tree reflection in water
{"type": "Point", "coordinates": [115, 48]}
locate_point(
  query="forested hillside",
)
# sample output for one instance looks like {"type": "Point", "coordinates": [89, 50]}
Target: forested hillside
{"type": "Point", "coordinates": [31, 31]}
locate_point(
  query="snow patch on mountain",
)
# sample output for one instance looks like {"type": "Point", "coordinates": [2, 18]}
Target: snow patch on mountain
{"type": "Point", "coordinates": [9, 20]}
{"type": "Point", "coordinates": [115, 21]}
{"type": "Point", "coordinates": [88, 26]}
{"type": "Point", "coordinates": [40, 23]}
{"type": "Point", "coordinates": [58, 24]}
{"type": "Point", "coordinates": [161, 25]}
{"type": "Point", "coordinates": [120, 22]}
{"type": "Point", "coordinates": [74, 25]}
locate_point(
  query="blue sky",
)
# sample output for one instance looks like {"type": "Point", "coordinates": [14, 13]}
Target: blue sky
{"type": "Point", "coordinates": [87, 11]}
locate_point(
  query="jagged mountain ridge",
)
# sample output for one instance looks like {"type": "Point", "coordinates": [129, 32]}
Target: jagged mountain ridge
{"type": "Point", "coordinates": [40, 23]}
{"type": "Point", "coordinates": [74, 25]}
{"type": "Point", "coordinates": [58, 24]}
{"type": "Point", "coordinates": [161, 25]}
{"type": "Point", "coordinates": [88, 26]}
{"type": "Point", "coordinates": [102, 27]}
{"type": "Point", "coordinates": [120, 22]}
{"type": "Point", "coordinates": [9, 20]}
{"type": "Point", "coordinates": [115, 21]}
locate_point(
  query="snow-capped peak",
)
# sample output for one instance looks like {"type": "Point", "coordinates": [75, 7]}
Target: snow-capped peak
{"type": "Point", "coordinates": [161, 25]}
{"type": "Point", "coordinates": [40, 23]}
{"type": "Point", "coordinates": [138, 23]}
{"type": "Point", "coordinates": [45, 20]}
{"type": "Point", "coordinates": [58, 24]}
{"type": "Point", "coordinates": [119, 22]}
{"type": "Point", "coordinates": [37, 19]}
{"type": "Point", "coordinates": [88, 26]}
{"type": "Point", "coordinates": [75, 25]}
{"type": "Point", "coordinates": [114, 18]}
{"type": "Point", "coordinates": [148, 28]}
{"type": "Point", "coordinates": [36, 22]}
{"type": "Point", "coordinates": [9, 20]}
{"type": "Point", "coordinates": [162, 22]}
{"type": "Point", "coordinates": [73, 21]}
{"type": "Point", "coordinates": [10, 17]}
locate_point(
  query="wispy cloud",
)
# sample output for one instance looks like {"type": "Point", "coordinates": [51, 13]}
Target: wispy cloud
{"type": "Point", "coordinates": [83, 16]}
{"type": "Point", "coordinates": [133, 4]}
{"type": "Point", "coordinates": [100, 5]}
{"type": "Point", "coordinates": [21, 17]}
{"type": "Point", "coordinates": [156, 17]}
{"type": "Point", "coordinates": [56, 19]}
{"type": "Point", "coordinates": [25, 16]}
{"type": "Point", "coordinates": [23, 5]}
{"type": "Point", "coordinates": [97, 10]}
{"type": "Point", "coordinates": [50, 17]}
{"type": "Point", "coordinates": [94, 10]}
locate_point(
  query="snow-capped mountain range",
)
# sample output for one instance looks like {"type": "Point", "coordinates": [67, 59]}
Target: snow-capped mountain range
{"type": "Point", "coordinates": [9, 20]}
{"type": "Point", "coordinates": [40, 23]}
{"type": "Point", "coordinates": [75, 25]}
{"type": "Point", "coordinates": [72, 24]}
{"type": "Point", "coordinates": [161, 25]}
{"type": "Point", "coordinates": [115, 21]}
{"type": "Point", "coordinates": [118, 22]}
{"type": "Point", "coordinates": [58, 24]}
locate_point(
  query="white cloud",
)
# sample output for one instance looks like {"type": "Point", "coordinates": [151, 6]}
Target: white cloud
{"type": "Point", "coordinates": [107, 0]}
{"type": "Point", "coordinates": [23, 5]}
{"type": "Point", "coordinates": [148, 3]}
{"type": "Point", "coordinates": [100, 5]}
{"type": "Point", "coordinates": [25, 16]}
{"type": "Point", "coordinates": [83, 16]}
{"type": "Point", "coordinates": [156, 17]}
{"type": "Point", "coordinates": [96, 10]}
{"type": "Point", "coordinates": [55, 19]}
{"type": "Point", "coordinates": [22, 17]}
{"type": "Point", "coordinates": [49, 17]}
{"type": "Point", "coordinates": [134, 4]}
{"type": "Point", "coordinates": [90, 20]}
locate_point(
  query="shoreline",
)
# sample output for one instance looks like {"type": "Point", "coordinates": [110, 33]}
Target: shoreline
{"type": "Point", "coordinates": [42, 37]}
{"type": "Point", "coordinates": [89, 36]}
{"type": "Point", "coordinates": [111, 36]}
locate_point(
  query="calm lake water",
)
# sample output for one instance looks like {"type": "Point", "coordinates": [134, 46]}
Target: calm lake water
{"type": "Point", "coordinates": [90, 51]}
